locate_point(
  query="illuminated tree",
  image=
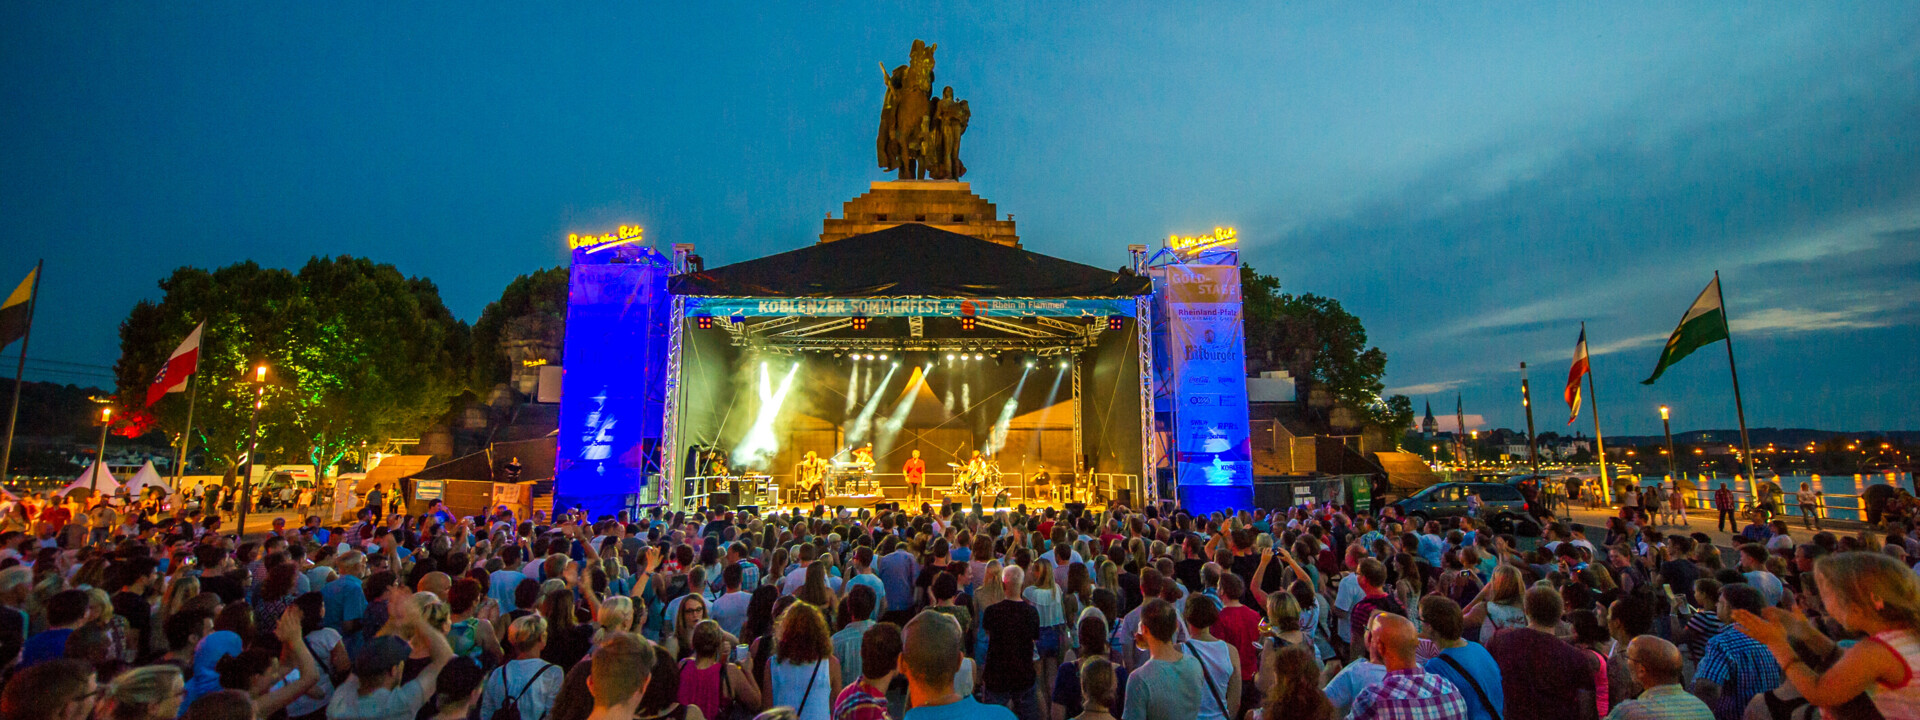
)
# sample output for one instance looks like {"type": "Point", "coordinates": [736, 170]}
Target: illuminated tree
{"type": "Point", "coordinates": [357, 353]}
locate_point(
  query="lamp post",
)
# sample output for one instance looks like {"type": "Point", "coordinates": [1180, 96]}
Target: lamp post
{"type": "Point", "coordinates": [1474, 450]}
{"type": "Point", "coordinates": [1667, 428]}
{"type": "Point", "coordinates": [100, 454]}
{"type": "Point", "coordinates": [253, 434]}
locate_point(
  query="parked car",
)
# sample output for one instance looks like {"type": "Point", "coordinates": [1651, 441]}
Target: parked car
{"type": "Point", "coordinates": [1504, 507]}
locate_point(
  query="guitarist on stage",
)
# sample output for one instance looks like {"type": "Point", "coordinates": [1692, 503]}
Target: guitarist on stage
{"type": "Point", "coordinates": [813, 471]}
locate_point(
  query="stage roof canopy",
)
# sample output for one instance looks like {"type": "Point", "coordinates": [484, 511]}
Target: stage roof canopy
{"type": "Point", "coordinates": [910, 260]}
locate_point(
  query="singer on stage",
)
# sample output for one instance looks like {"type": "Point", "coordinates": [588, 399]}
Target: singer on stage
{"type": "Point", "coordinates": [916, 472]}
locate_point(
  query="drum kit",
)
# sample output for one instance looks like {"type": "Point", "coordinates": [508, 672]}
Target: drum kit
{"type": "Point", "coordinates": [980, 478]}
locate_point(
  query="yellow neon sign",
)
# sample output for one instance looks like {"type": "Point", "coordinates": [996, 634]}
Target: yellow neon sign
{"type": "Point", "coordinates": [625, 234]}
{"type": "Point", "coordinates": [1220, 237]}
{"type": "Point", "coordinates": [536, 362]}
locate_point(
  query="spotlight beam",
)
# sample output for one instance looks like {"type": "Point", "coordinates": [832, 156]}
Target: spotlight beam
{"type": "Point", "coordinates": [997, 436]}
{"type": "Point", "coordinates": [760, 442]}
{"type": "Point", "coordinates": [863, 426]}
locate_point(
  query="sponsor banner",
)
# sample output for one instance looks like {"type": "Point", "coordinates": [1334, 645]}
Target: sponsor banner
{"type": "Point", "coordinates": [427, 490]}
{"type": "Point", "coordinates": [1203, 353]}
{"type": "Point", "coordinates": [909, 307]}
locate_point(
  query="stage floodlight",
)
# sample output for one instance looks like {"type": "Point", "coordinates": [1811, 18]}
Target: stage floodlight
{"type": "Point", "coordinates": [966, 323]}
{"type": "Point", "coordinates": [979, 356]}
{"type": "Point", "coordinates": [1030, 363]}
{"type": "Point", "coordinates": [1064, 364]}
{"type": "Point", "coordinates": [1115, 322]}
{"type": "Point", "coordinates": [883, 356]}
{"type": "Point", "coordinates": [949, 356]}
{"type": "Point", "coordinates": [704, 322]}
{"type": "Point", "coordinates": [860, 323]}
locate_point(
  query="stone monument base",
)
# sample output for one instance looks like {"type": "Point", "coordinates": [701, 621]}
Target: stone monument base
{"type": "Point", "coordinates": [945, 204]}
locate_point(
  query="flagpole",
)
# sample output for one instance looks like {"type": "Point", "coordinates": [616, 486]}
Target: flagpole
{"type": "Point", "coordinates": [186, 438]}
{"type": "Point", "coordinates": [1739, 408]}
{"type": "Point", "coordinates": [1526, 401]}
{"type": "Point", "coordinates": [1599, 441]}
{"type": "Point", "coordinates": [20, 373]}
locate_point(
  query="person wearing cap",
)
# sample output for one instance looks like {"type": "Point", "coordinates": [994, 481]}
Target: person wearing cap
{"type": "Point", "coordinates": [375, 692]}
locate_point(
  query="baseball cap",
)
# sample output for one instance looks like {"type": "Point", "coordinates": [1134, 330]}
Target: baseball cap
{"type": "Point", "coordinates": [380, 655]}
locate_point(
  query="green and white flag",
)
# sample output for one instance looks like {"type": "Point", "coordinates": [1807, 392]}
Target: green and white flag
{"type": "Point", "coordinates": [1705, 323]}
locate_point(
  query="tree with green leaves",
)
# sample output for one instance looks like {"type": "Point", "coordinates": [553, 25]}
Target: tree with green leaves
{"type": "Point", "coordinates": [356, 353]}
{"type": "Point", "coordinates": [1324, 347]}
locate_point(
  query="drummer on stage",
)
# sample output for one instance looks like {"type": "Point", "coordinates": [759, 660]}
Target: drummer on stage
{"type": "Point", "coordinates": [916, 472]}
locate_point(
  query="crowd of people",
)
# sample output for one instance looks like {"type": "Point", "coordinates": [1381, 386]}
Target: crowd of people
{"type": "Point", "coordinates": [1312, 612]}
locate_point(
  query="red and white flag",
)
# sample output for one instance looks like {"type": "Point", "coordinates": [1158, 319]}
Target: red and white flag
{"type": "Point", "coordinates": [1579, 370]}
{"type": "Point", "coordinates": [179, 368]}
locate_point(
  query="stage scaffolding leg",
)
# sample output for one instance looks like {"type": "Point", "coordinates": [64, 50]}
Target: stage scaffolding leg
{"type": "Point", "coordinates": [666, 490]}
{"type": "Point", "coordinates": [1079, 449]}
{"type": "Point", "coordinates": [1149, 440]}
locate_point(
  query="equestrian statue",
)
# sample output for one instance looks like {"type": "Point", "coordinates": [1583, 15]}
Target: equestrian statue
{"type": "Point", "coordinates": [919, 133]}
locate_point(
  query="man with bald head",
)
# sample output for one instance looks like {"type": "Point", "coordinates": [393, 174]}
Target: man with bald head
{"type": "Point", "coordinates": [1407, 692]}
{"type": "Point", "coordinates": [436, 582]}
{"type": "Point", "coordinates": [1656, 666]}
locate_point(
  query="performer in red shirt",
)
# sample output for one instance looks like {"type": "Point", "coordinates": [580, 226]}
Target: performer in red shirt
{"type": "Point", "coordinates": [916, 471]}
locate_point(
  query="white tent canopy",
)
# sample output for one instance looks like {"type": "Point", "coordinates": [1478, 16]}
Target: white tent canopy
{"type": "Point", "coordinates": [147, 477]}
{"type": "Point", "coordinates": [106, 485]}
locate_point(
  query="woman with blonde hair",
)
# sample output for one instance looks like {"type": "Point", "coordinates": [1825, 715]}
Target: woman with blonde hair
{"type": "Point", "coordinates": [1868, 593]}
{"type": "Point", "coordinates": [802, 674]}
{"type": "Point", "coordinates": [150, 692]}
{"type": "Point", "coordinates": [534, 681]}
{"type": "Point", "coordinates": [115, 626]}
{"type": "Point", "coordinates": [1044, 596]}
{"type": "Point", "coordinates": [990, 592]}
{"type": "Point", "coordinates": [616, 616]}
{"type": "Point", "coordinates": [1497, 607]}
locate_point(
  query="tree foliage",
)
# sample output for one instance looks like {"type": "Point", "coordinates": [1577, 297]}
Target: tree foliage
{"type": "Point", "coordinates": [1323, 346]}
{"type": "Point", "coordinates": [542, 293]}
{"type": "Point", "coordinates": [356, 353]}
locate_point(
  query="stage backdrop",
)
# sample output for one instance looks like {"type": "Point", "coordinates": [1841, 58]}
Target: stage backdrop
{"type": "Point", "coordinates": [614, 377]}
{"type": "Point", "coordinates": [1200, 355]}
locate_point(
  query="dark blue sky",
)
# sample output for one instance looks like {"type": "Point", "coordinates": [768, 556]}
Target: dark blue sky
{"type": "Point", "coordinates": [1471, 181]}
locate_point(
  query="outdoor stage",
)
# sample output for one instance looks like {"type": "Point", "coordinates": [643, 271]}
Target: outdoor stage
{"type": "Point", "coordinates": [695, 387]}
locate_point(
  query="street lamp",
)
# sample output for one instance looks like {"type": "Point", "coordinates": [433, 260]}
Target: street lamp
{"type": "Point", "coordinates": [1473, 451]}
{"type": "Point", "coordinates": [1667, 428]}
{"type": "Point", "coordinates": [253, 433]}
{"type": "Point", "coordinates": [100, 454]}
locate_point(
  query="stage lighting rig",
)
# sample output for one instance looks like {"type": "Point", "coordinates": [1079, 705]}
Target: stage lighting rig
{"type": "Point", "coordinates": [1115, 322]}
{"type": "Point", "coordinates": [967, 323]}
{"type": "Point", "coordinates": [860, 322]}
{"type": "Point", "coordinates": [704, 322]}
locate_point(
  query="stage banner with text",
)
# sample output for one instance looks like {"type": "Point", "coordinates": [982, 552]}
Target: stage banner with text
{"type": "Point", "coordinates": [725, 307]}
{"type": "Point", "coordinates": [1202, 367]}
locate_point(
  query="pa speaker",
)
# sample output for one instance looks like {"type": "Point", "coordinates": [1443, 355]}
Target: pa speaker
{"type": "Point", "coordinates": [720, 500]}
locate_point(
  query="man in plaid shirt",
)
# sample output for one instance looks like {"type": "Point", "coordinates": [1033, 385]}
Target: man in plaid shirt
{"type": "Point", "coordinates": [1736, 667]}
{"type": "Point", "coordinates": [1407, 692]}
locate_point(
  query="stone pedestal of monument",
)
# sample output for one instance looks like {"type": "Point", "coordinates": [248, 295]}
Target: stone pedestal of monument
{"type": "Point", "coordinates": [945, 204]}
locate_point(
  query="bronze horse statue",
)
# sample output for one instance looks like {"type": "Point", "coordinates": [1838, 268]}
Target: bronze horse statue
{"type": "Point", "coordinates": [911, 139]}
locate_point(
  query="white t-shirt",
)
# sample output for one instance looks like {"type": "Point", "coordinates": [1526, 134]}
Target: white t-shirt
{"type": "Point", "coordinates": [396, 703]}
{"type": "Point", "coordinates": [1347, 685]}
{"type": "Point", "coordinates": [1343, 600]}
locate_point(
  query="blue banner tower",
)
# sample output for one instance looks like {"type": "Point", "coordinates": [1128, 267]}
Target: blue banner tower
{"type": "Point", "coordinates": [1200, 388]}
{"type": "Point", "coordinates": [613, 389]}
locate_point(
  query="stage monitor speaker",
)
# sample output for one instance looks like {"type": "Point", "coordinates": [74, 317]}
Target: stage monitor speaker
{"type": "Point", "coordinates": [720, 500]}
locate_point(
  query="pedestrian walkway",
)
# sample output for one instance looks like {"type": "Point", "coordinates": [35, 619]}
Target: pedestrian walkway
{"type": "Point", "coordinates": [1704, 521]}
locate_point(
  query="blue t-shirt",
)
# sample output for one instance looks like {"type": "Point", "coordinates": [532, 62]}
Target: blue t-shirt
{"type": "Point", "coordinates": [48, 645]}
{"type": "Point", "coordinates": [1485, 671]}
{"type": "Point", "coordinates": [966, 709]}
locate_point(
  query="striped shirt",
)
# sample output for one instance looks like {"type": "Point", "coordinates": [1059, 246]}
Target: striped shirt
{"type": "Point", "coordinates": [1702, 627]}
{"type": "Point", "coordinates": [1411, 694]}
{"type": "Point", "coordinates": [1662, 702]}
{"type": "Point", "coordinates": [1742, 667]}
